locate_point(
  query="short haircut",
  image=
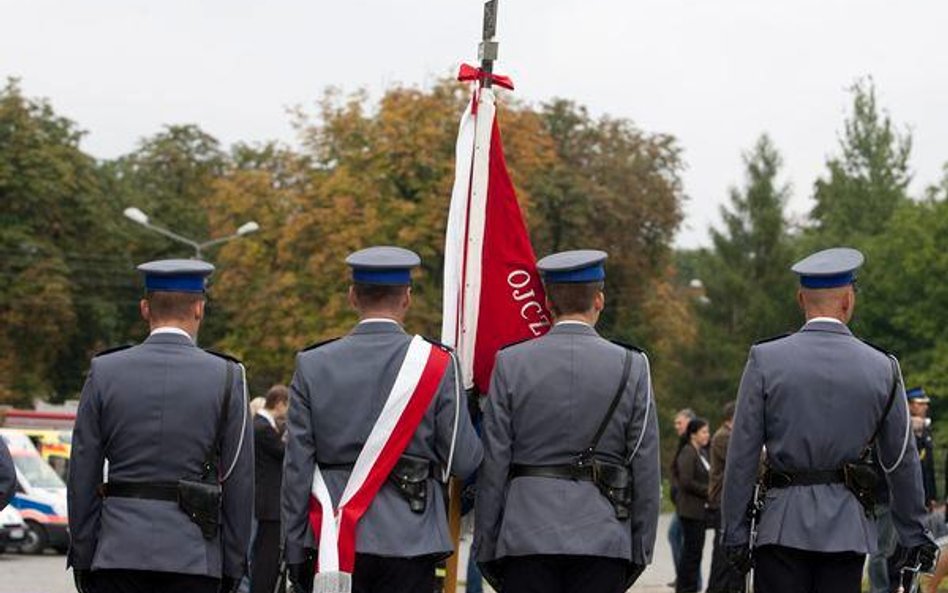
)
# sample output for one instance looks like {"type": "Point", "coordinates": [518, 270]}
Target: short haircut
{"type": "Point", "coordinates": [728, 410]}
{"type": "Point", "coordinates": [686, 412]}
{"type": "Point", "coordinates": [570, 298]}
{"type": "Point", "coordinates": [278, 394]}
{"type": "Point", "coordinates": [172, 305]}
{"type": "Point", "coordinates": [374, 296]}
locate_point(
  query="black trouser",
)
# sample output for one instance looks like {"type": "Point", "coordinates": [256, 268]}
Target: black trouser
{"type": "Point", "coordinates": [382, 574]}
{"type": "Point", "coordinates": [265, 568]}
{"type": "Point", "coordinates": [689, 571]}
{"type": "Point", "coordinates": [724, 578]}
{"type": "Point", "coordinates": [149, 581]}
{"type": "Point", "coordinates": [779, 569]}
{"type": "Point", "coordinates": [544, 573]}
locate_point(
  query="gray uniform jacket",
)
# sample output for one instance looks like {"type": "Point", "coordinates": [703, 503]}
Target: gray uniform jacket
{"type": "Point", "coordinates": [814, 399]}
{"type": "Point", "coordinates": [151, 411]}
{"type": "Point", "coordinates": [547, 398]}
{"type": "Point", "coordinates": [7, 475]}
{"type": "Point", "coordinates": [337, 394]}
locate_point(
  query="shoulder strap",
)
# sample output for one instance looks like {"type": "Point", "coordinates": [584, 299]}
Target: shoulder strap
{"type": "Point", "coordinates": [888, 403]}
{"type": "Point", "coordinates": [213, 455]}
{"type": "Point", "coordinates": [626, 372]}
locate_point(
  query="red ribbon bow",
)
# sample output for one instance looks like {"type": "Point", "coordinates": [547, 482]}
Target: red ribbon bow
{"type": "Point", "coordinates": [469, 73]}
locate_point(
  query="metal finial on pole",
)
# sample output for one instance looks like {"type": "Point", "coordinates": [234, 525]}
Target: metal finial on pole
{"type": "Point", "coordinates": [487, 50]}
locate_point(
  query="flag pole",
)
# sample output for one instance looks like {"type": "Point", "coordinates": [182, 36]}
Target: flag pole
{"type": "Point", "coordinates": [487, 51]}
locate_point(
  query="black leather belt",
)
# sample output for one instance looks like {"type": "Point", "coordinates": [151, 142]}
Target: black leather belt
{"type": "Point", "coordinates": [147, 490]}
{"type": "Point", "coordinates": [777, 479]}
{"type": "Point", "coordinates": [433, 467]}
{"type": "Point", "coordinates": [561, 472]}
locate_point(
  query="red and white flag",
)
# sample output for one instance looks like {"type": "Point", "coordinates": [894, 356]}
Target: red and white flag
{"type": "Point", "coordinates": [493, 295]}
{"type": "Point", "coordinates": [335, 527]}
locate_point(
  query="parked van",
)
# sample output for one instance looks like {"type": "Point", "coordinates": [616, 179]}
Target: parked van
{"type": "Point", "coordinates": [40, 496]}
{"type": "Point", "coordinates": [54, 445]}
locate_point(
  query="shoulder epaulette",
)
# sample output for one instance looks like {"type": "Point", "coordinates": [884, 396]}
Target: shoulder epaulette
{"type": "Point", "coordinates": [223, 355]}
{"type": "Point", "coordinates": [628, 346]}
{"type": "Point", "coordinates": [877, 347]}
{"type": "Point", "coordinates": [512, 344]}
{"type": "Point", "coordinates": [318, 344]}
{"type": "Point", "coordinates": [772, 339]}
{"type": "Point", "coordinates": [112, 350]}
{"type": "Point", "coordinates": [435, 342]}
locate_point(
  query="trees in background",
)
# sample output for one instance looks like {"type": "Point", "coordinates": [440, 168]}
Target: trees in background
{"type": "Point", "coordinates": [381, 172]}
{"type": "Point", "coordinates": [747, 289]}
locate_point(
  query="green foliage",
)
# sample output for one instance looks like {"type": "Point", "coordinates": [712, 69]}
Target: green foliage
{"type": "Point", "coordinates": [747, 290]}
{"type": "Point", "coordinates": [868, 181]}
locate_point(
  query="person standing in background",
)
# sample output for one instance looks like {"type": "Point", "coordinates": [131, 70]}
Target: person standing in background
{"type": "Point", "coordinates": [921, 426]}
{"type": "Point", "coordinates": [693, 472]}
{"type": "Point", "coordinates": [723, 578]}
{"type": "Point", "coordinates": [268, 476]}
{"type": "Point", "coordinates": [676, 539]}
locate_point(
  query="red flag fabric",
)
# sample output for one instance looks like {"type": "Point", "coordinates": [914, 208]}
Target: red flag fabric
{"type": "Point", "coordinates": [493, 295]}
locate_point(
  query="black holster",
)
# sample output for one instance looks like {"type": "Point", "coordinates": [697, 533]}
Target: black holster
{"type": "Point", "coordinates": [410, 475]}
{"type": "Point", "coordinates": [862, 478]}
{"type": "Point", "coordinates": [615, 483]}
{"type": "Point", "coordinates": [201, 502]}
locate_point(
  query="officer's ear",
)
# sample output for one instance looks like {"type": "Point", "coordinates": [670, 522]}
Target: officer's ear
{"type": "Point", "coordinates": [199, 306]}
{"type": "Point", "coordinates": [145, 309]}
{"type": "Point", "coordinates": [353, 302]}
{"type": "Point", "coordinates": [800, 300]}
{"type": "Point", "coordinates": [406, 302]}
{"type": "Point", "coordinates": [599, 303]}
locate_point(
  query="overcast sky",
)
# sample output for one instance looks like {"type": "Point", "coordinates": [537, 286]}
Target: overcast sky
{"type": "Point", "coordinates": [714, 73]}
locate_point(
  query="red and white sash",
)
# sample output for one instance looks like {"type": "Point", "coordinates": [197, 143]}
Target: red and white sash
{"type": "Point", "coordinates": [415, 386]}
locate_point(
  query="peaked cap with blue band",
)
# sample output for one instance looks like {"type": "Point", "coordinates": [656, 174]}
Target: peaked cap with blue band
{"type": "Point", "coordinates": [383, 266]}
{"type": "Point", "coordinates": [568, 267]}
{"type": "Point", "coordinates": [176, 275]}
{"type": "Point", "coordinates": [830, 268]}
{"type": "Point", "coordinates": [917, 394]}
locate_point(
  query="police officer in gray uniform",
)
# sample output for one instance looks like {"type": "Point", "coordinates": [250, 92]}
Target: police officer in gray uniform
{"type": "Point", "coordinates": [336, 396]}
{"type": "Point", "coordinates": [169, 421]}
{"type": "Point", "coordinates": [7, 475]}
{"type": "Point", "coordinates": [818, 400]}
{"type": "Point", "coordinates": [568, 494]}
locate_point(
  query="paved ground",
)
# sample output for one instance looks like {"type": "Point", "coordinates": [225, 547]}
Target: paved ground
{"type": "Point", "coordinates": [47, 573]}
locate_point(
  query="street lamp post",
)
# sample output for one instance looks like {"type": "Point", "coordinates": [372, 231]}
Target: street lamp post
{"type": "Point", "coordinates": [136, 215]}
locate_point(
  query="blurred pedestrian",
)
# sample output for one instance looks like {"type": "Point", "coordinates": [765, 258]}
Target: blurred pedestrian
{"type": "Point", "coordinates": [569, 427]}
{"type": "Point", "coordinates": [918, 403]}
{"type": "Point", "coordinates": [172, 420]}
{"type": "Point", "coordinates": [723, 578]}
{"type": "Point", "coordinates": [693, 471]}
{"type": "Point", "coordinates": [676, 539]}
{"type": "Point", "coordinates": [377, 421]}
{"type": "Point", "coordinates": [7, 475]}
{"type": "Point", "coordinates": [268, 477]}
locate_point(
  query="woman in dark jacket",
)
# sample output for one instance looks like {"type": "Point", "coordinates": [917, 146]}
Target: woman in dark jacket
{"type": "Point", "coordinates": [693, 470]}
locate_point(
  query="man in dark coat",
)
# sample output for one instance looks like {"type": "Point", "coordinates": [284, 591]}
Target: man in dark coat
{"type": "Point", "coordinates": [268, 475]}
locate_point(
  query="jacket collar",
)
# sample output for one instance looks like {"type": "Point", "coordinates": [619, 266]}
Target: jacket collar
{"type": "Point", "coordinates": [573, 329]}
{"type": "Point", "coordinates": [376, 327]}
{"type": "Point", "coordinates": [169, 338]}
{"type": "Point", "coordinates": [826, 326]}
